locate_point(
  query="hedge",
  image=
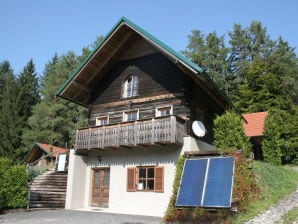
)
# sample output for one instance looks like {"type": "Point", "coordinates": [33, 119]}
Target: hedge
{"type": "Point", "coordinates": [13, 185]}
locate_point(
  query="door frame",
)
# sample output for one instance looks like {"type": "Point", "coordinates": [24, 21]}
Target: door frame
{"type": "Point", "coordinates": [92, 182]}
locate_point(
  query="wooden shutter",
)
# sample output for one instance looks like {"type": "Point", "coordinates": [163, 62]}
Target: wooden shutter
{"type": "Point", "coordinates": [158, 178]}
{"type": "Point", "coordinates": [131, 179]}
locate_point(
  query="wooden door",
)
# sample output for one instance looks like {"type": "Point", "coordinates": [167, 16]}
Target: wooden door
{"type": "Point", "coordinates": [100, 187]}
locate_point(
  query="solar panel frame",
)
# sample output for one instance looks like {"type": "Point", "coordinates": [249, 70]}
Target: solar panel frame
{"type": "Point", "coordinates": [202, 182]}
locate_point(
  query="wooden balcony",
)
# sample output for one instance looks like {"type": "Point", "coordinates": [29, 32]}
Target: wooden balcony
{"type": "Point", "coordinates": [161, 130]}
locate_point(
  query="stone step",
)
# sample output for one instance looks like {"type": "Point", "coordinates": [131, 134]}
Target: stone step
{"type": "Point", "coordinates": [45, 204]}
{"type": "Point", "coordinates": [48, 190]}
{"type": "Point", "coordinates": [48, 193]}
{"type": "Point", "coordinates": [43, 197]}
{"type": "Point", "coordinates": [51, 177]}
{"type": "Point", "coordinates": [45, 189]}
{"type": "Point", "coordinates": [54, 183]}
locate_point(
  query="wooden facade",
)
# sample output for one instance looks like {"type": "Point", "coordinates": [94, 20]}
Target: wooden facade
{"type": "Point", "coordinates": [163, 80]}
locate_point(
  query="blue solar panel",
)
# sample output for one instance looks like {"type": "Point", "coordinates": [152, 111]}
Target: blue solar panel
{"type": "Point", "coordinates": [218, 188]}
{"type": "Point", "coordinates": [206, 182]}
{"type": "Point", "coordinates": [191, 187]}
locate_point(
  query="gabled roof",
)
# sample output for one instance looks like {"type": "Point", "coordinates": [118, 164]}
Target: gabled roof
{"type": "Point", "coordinates": [41, 148]}
{"type": "Point", "coordinates": [255, 124]}
{"type": "Point", "coordinates": [79, 86]}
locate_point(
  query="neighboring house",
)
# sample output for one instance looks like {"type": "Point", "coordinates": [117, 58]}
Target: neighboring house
{"type": "Point", "coordinates": [254, 127]}
{"type": "Point", "coordinates": [42, 155]}
{"type": "Point", "coordinates": [142, 98]}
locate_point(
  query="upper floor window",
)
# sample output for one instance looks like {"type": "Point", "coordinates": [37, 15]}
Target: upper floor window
{"type": "Point", "coordinates": [130, 87]}
{"type": "Point", "coordinates": [131, 115]}
{"type": "Point", "coordinates": [164, 111]}
{"type": "Point", "coordinates": [102, 120]}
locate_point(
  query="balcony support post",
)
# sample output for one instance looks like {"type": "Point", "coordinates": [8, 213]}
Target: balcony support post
{"type": "Point", "coordinates": [135, 137]}
{"type": "Point", "coordinates": [173, 128]}
{"type": "Point", "coordinates": [152, 131]}
{"type": "Point", "coordinates": [89, 140]}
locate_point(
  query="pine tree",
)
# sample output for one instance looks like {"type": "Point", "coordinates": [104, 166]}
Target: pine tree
{"type": "Point", "coordinates": [28, 95]}
{"type": "Point", "coordinates": [10, 122]}
{"type": "Point", "coordinates": [210, 53]}
{"type": "Point", "coordinates": [52, 118]}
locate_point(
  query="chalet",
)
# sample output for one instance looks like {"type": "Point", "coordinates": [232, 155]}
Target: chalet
{"type": "Point", "coordinates": [254, 127]}
{"type": "Point", "coordinates": [142, 97]}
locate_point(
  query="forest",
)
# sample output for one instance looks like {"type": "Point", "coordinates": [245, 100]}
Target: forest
{"type": "Point", "coordinates": [256, 72]}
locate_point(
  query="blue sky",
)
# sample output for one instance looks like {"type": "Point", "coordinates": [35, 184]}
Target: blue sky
{"type": "Point", "coordinates": [38, 29]}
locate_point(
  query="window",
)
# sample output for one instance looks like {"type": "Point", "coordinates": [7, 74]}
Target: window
{"type": "Point", "coordinates": [131, 115]}
{"type": "Point", "coordinates": [102, 120]}
{"type": "Point", "coordinates": [130, 87]}
{"type": "Point", "coordinates": [164, 111]}
{"type": "Point", "coordinates": [145, 178]}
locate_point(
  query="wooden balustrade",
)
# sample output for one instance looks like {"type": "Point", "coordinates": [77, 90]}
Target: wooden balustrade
{"type": "Point", "coordinates": [170, 129]}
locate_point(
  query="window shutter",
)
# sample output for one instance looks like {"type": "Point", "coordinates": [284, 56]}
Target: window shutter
{"type": "Point", "coordinates": [131, 179]}
{"type": "Point", "coordinates": [158, 179]}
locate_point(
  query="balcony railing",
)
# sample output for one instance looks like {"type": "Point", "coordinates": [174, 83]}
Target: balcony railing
{"type": "Point", "coordinates": [163, 130]}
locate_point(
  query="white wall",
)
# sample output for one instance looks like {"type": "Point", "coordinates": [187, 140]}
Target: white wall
{"type": "Point", "coordinates": [76, 181]}
{"type": "Point", "coordinates": [138, 203]}
{"type": "Point", "coordinates": [118, 160]}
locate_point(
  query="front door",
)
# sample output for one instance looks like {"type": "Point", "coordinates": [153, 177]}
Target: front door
{"type": "Point", "coordinates": [100, 187]}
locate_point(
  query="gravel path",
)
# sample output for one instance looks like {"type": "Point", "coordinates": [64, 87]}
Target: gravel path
{"type": "Point", "coordinates": [62, 216]}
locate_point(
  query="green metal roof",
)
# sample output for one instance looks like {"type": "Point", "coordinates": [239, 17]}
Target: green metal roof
{"type": "Point", "coordinates": [162, 46]}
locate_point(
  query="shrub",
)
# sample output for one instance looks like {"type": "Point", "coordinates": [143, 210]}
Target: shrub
{"type": "Point", "coordinates": [229, 133]}
{"type": "Point", "coordinates": [13, 185]}
{"type": "Point", "coordinates": [280, 138]}
{"type": "Point", "coordinates": [4, 166]}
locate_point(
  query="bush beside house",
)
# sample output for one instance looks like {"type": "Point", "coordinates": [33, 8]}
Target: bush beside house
{"type": "Point", "coordinates": [229, 134]}
{"type": "Point", "coordinates": [13, 185]}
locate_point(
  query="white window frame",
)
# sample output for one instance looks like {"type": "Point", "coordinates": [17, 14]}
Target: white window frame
{"type": "Point", "coordinates": [159, 109]}
{"type": "Point", "coordinates": [98, 120]}
{"type": "Point", "coordinates": [125, 115]}
{"type": "Point", "coordinates": [130, 86]}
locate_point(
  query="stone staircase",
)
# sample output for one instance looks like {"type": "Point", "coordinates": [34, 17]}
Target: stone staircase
{"type": "Point", "coordinates": [48, 190]}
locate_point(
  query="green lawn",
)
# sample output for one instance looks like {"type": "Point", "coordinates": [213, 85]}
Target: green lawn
{"type": "Point", "coordinates": [275, 182]}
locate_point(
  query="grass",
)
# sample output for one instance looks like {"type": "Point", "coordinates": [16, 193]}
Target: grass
{"type": "Point", "coordinates": [291, 216]}
{"type": "Point", "coordinates": [275, 182]}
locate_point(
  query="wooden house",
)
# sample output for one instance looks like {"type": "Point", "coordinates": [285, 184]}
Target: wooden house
{"type": "Point", "coordinates": [142, 98]}
{"type": "Point", "coordinates": [43, 156]}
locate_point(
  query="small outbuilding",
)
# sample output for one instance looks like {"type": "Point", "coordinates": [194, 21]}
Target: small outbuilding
{"type": "Point", "coordinates": [254, 127]}
{"type": "Point", "coordinates": [44, 155]}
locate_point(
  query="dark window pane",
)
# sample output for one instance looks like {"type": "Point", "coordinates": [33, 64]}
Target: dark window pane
{"type": "Point", "coordinates": [142, 173]}
{"type": "Point", "coordinates": [150, 173]}
{"type": "Point", "coordinates": [150, 185]}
